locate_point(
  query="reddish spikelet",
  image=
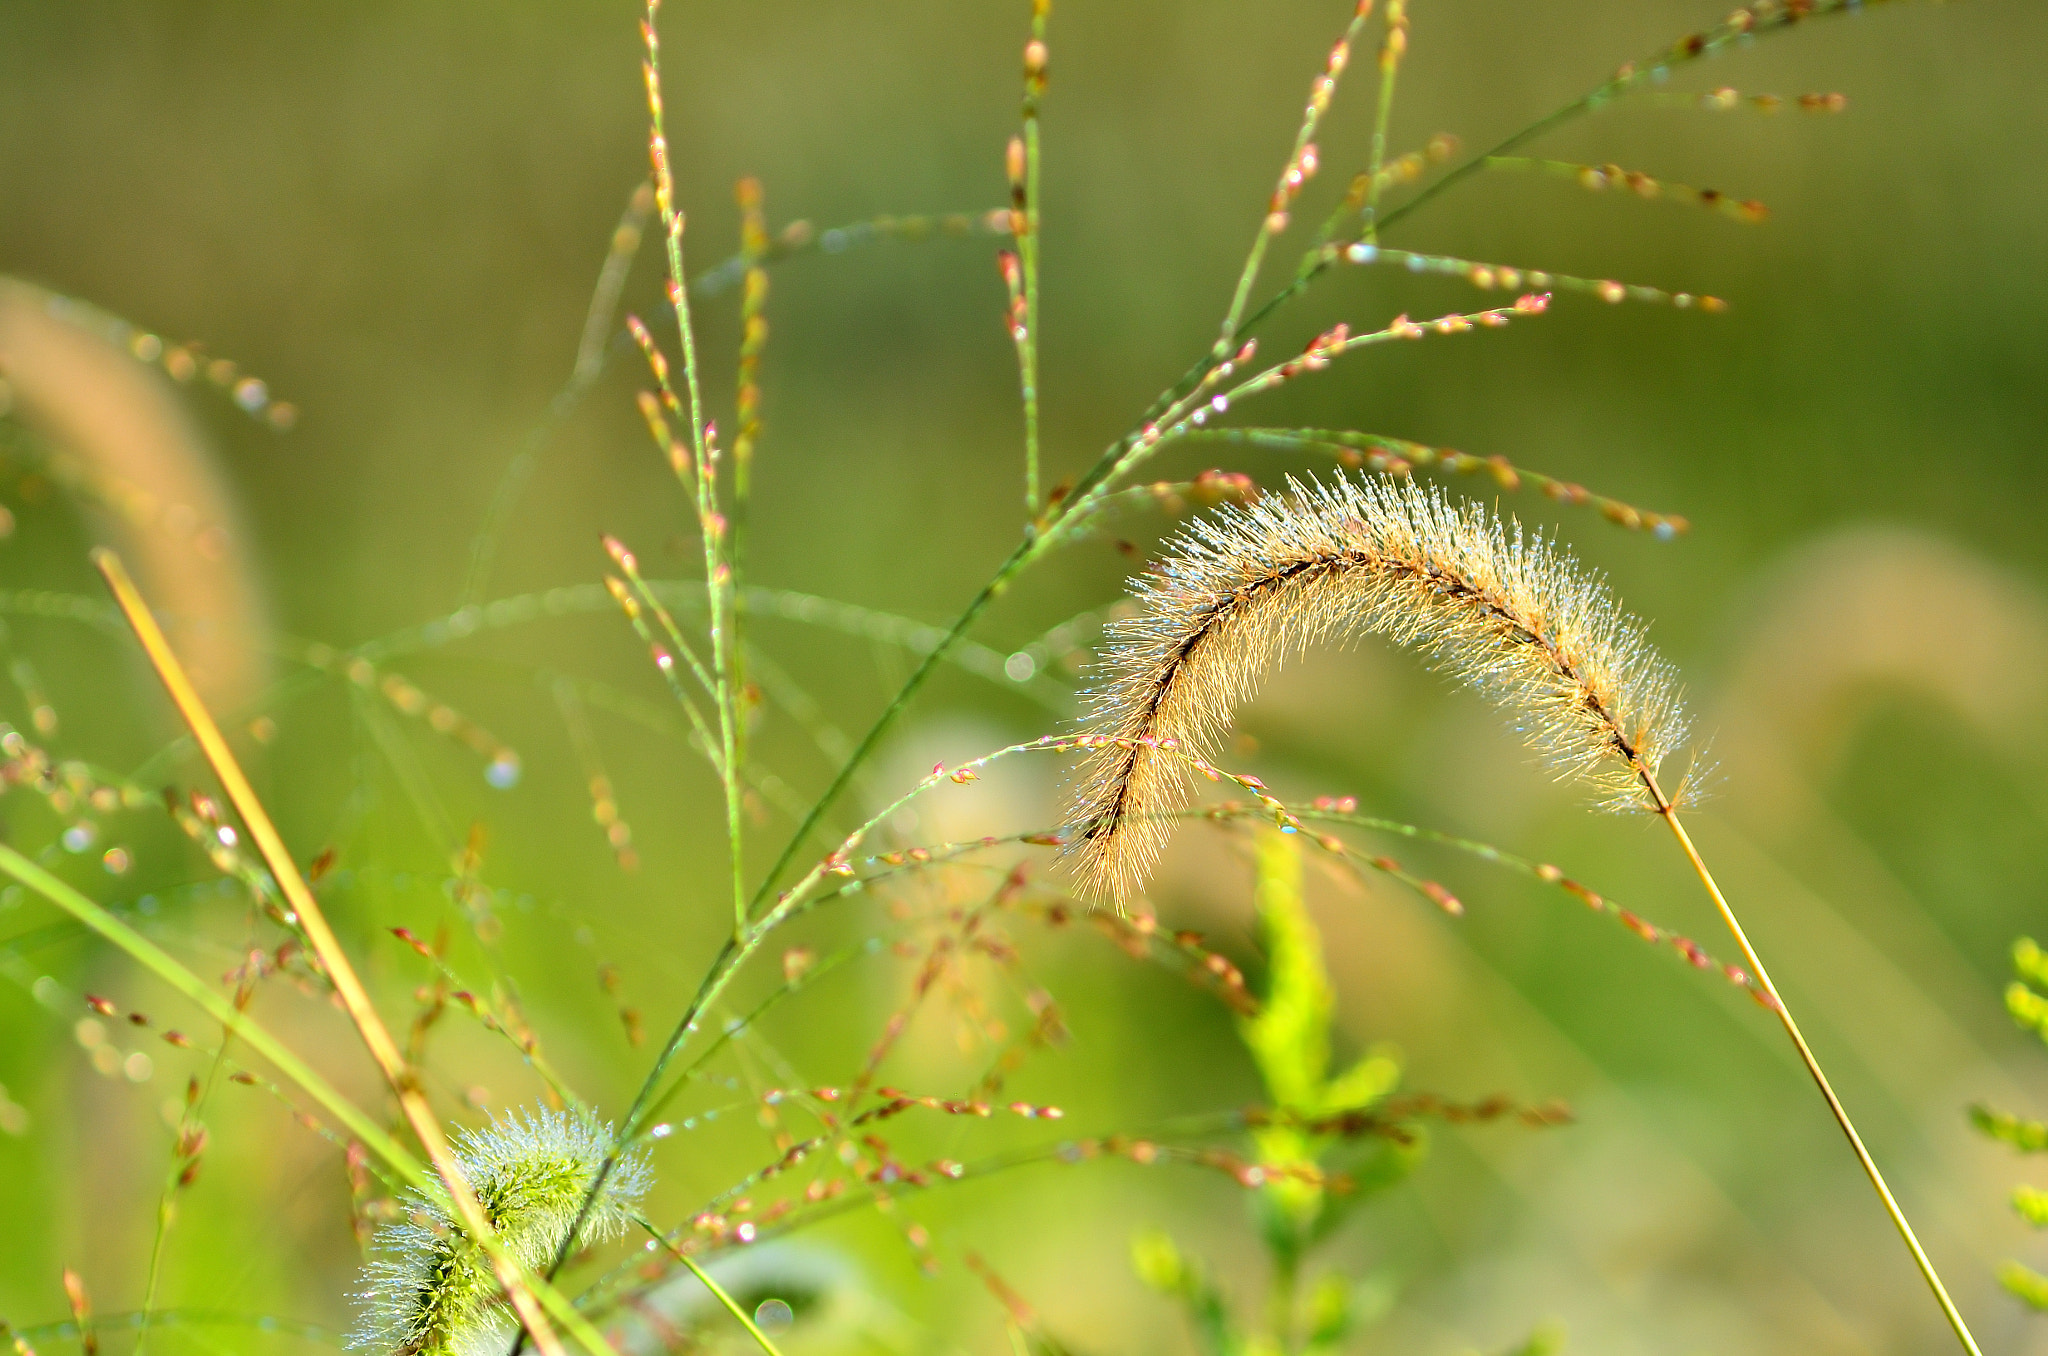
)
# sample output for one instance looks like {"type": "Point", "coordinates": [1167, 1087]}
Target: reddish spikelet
{"type": "Point", "coordinates": [76, 1296]}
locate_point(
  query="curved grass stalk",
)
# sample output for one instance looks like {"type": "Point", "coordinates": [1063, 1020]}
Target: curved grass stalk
{"type": "Point", "coordinates": [1594, 178]}
{"type": "Point", "coordinates": [801, 237]}
{"type": "Point", "coordinates": [1725, 98]}
{"type": "Point", "coordinates": [1400, 456]}
{"type": "Point", "coordinates": [1328, 812]}
{"type": "Point", "coordinates": [1508, 615]}
{"type": "Point", "coordinates": [730, 1305]}
{"type": "Point", "coordinates": [743, 943]}
{"type": "Point", "coordinates": [810, 609]}
{"type": "Point", "coordinates": [1763, 18]}
{"type": "Point", "coordinates": [1153, 1145]}
{"type": "Point", "coordinates": [236, 1024]}
{"type": "Point", "coordinates": [1488, 276]}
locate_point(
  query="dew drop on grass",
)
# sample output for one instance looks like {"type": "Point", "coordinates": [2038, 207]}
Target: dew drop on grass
{"type": "Point", "coordinates": [773, 1315]}
{"type": "Point", "coordinates": [80, 836]}
{"type": "Point", "coordinates": [503, 772]}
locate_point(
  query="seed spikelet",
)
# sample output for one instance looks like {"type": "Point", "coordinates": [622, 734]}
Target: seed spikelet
{"type": "Point", "coordinates": [429, 1291]}
{"type": "Point", "coordinates": [1506, 612]}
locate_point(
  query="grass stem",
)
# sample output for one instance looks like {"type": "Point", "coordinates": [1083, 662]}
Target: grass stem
{"type": "Point", "coordinates": [718, 1291]}
{"type": "Point", "coordinates": [1024, 224]}
{"type": "Point", "coordinates": [718, 574]}
{"type": "Point", "coordinates": [320, 938]}
{"type": "Point", "coordinates": [1820, 1079]}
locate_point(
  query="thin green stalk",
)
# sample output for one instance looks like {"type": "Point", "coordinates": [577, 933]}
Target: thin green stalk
{"type": "Point", "coordinates": [731, 1306]}
{"type": "Point", "coordinates": [238, 1025]}
{"type": "Point", "coordinates": [733, 956]}
{"type": "Point", "coordinates": [717, 574]}
{"type": "Point", "coordinates": [794, 241]}
{"type": "Point", "coordinates": [599, 324]}
{"type": "Point", "coordinates": [1391, 51]}
{"type": "Point", "coordinates": [1025, 226]}
{"type": "Point", "coordinates": [634, 602]}
{"type": "Point", "coordinates": [166, 1205]}
{"type": "Point", "coordinates": [747, 405]}
{"type": "Point", "coordinates": [1292, 176]}
{"type": "Point", "coordinates": [728, 1031]}
{"type": "Point", "coordinates": [1010, 568]}
{"type": "Point", "coordinates": [1403, 456]}
{"type": "Point", "coordinates": [142, 1320]}
{"type": "Point", "coordinates": [1627, 80]}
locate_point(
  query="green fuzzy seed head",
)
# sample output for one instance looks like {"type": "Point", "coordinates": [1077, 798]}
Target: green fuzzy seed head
{"type": "Point", "coordinates": [429, 1291]}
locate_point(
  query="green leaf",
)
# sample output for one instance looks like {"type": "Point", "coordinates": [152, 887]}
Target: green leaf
{"type": "Point", "coordinates": [2028, 1285]}
{"type": "Point", "coordinates": [1329, 1311]}
{"type": "Point", "coordinates": [1160, 1265]}
{"type": "Point", "coordinates": [1339, 1306]}
{"type": "Point", "coordinates": [2028, 1008]}
{"type": "Point", "coordinates": [2032, 1203]}
{"type": "Point", "coordinates": [2029, 1137]}
{"type": "Point", "coordinates": [2030, 963]}
{"type": "Point", "coordinates": [1364, 1083]}
{"type": "Point", "coordinates": [1157, 1261]}
{"type": "Point", "coordinates": [1290, 1037]}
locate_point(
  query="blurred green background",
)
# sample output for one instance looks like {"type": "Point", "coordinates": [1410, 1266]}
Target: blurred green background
{"type": "Point", "coordinates": [394, 215]}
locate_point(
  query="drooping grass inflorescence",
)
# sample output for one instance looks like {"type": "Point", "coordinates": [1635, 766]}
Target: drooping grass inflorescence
{"type": "Point", "coordinates": [429, 1291]}
{"type": "Point", "coordinates": [1502, 611]}
{"type": "Point", "coordinates": [1507, 613]}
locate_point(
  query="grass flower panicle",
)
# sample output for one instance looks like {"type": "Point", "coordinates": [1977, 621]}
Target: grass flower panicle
{"type": "Point", "coordinates": [429, 1291]}
{"type": "Point", "coordinates": [1506, 612]}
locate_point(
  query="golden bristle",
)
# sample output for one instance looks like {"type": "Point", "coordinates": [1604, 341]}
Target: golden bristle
{"type": "Point", "coordinates": [1505, 612]}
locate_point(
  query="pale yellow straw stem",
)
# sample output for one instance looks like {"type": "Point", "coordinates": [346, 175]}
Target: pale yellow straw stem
{"type": "Point", "coordinates": [1777, 1004]}
{"type": "Point", "coordinates": [355, 1000]}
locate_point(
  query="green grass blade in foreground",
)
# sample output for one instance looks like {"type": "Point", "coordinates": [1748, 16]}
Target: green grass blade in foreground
{"type": "Point", "coordinates": [67, 1330]}
{"type": "Point", "coordinates": [244, 1028]}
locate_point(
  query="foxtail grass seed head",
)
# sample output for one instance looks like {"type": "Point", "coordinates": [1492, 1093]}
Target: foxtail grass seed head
{"type": "Point", "coordinates": [1506, 612]}
{"type": "Point", "coordinates": [430, 1291]}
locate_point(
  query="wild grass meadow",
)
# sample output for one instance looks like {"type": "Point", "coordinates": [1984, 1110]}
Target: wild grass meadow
{"type": "Point", "coordinates": [1274, 680]}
